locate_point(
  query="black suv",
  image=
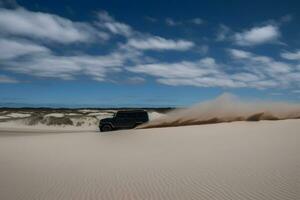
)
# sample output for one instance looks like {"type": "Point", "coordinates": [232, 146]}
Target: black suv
{"type": "Point", "coordinates": [124, 120]}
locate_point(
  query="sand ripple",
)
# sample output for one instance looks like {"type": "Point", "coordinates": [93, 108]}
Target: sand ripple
{"type": "Point", "coordinates": [251, 161]}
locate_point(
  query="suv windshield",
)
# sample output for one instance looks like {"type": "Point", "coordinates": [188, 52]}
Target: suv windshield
{"type": "Point", "coordinates": [126, 115]}
{"type": "Point", "coordinates": [131, 115]}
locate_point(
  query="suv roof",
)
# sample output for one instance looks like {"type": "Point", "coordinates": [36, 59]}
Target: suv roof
{"type": "Point", "coordinates": [131, 111]}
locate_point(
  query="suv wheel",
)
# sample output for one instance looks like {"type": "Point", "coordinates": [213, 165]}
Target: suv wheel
{"type": "Point", "coordinates": [106, 128]}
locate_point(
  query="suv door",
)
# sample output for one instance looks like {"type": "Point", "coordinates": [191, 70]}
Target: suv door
{"type": "Point", "coordinates": [125, 120]}
{"type": "Point", "coordinates": [141, 117]}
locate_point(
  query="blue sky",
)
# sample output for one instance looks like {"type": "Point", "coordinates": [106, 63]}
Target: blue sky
{"type": "Point", "coordinates": [147, 53]}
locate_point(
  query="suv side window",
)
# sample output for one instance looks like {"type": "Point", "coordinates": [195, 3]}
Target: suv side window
{"type": "Point", "coordinates": [131, 115]}
{"type": "Point", "coordinates": [126, 115]}
{"type": "Point", "coordinates": [140, 115]}
{"type": "Point", "coordinates": [121, 115]}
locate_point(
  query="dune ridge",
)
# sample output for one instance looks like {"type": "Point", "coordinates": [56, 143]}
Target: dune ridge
{"type": "Point", "coordinates": [226, 108]}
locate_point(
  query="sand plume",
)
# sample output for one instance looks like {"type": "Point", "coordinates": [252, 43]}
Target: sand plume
{"type": "Point", "coordinates": [226, 108]}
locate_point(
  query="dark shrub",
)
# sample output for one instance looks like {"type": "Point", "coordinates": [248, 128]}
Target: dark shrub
{"type": "Point", "coordinates": [255, 117]}
{"type": "Point", "coordinates": [34, 119]}
{"type": "Point", "coordinates": [59, 121]}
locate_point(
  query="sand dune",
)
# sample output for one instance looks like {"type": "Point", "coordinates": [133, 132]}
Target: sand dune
{"type": "Point", "coordinates": [86, 119]}
{"type": "Point", "coordinates": [229, 161]}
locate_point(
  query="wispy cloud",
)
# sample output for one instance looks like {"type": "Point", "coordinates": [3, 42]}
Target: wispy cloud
{"type": "Point", "coordinates": [135, 80]}
{"type": "Point", "coordinates": [239, 54]}
{"type": "Point", "coordinates": [183, 69]}
{"type": "Point", "coordinates": [291, 55]}
{"type": "Point", "coordinates": [140, 40]}
{"type": "Point", "coordinates": [11, 49]}
{"type": "Point", "coordinates": [29, 40]}
{"type": "Point", "coordinates": [263, 63]}
{"type": "Point", "coordinates": [197, 21]}
{"type": "Point", "coordinates": [27, 56]}
{"type": "Point", "coordinates": [108, 22]}
{"type": "Point", "coordinates": [172, 22]}
{"type": "Point", "coordinates": [257, 35]}
{"type": "Point", "coordinates": [223, 32]}
{"type": "Point", "coordinates": [286, 18]}
{"type": "Point", "coordinates": [159, 43]}
{"type": "Point", "coordinates": [68, 67]}
{"type": "Point", "coordinates": [30, 56]}
{"type": "Point", "coordinates": [250, 70]}
{"type": "Point", "coordinates": [282, 74]}
{"type": "Point", "coordinates": [7, 79]}
{"type": "Point", "coordinates": [22, 22]}
{"type": "Point", "coordinates": [201, 73]}
{"type": "Point", "coordinates": [151, 19]}
{"type": "Point", "coordinates": [267, 32]}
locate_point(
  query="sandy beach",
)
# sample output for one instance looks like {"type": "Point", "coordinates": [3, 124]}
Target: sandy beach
{"type": "Point", "coordinates": [226, 161]}
{"type": "Point", "coordinates": [149, 100]}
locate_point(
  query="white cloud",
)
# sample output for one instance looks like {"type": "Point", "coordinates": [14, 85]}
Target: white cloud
{"type": "Point", "coordinates": [11, 49]}
{"type": "Point", "coordinates": [246, 70]}
{"type": "Point", "coordinates": [272, 73]}
{"type": "Point", "coordinates": [202, 50]}
{"type": "Point", "coordinates": [224, 81]}
{"type": "Point", "coordinates": [171, 22]}
{"type": "Point", "coordinates": [197, 21]}
{"type": "Point", "coordinates": [178, 70]}
{"type": "Point", "coordinates": [22, 22]}
{"type": "Point", "coordinates": [6, 79]}
{"type": "Point", "coordinates": [108, 22]}
{"type": "Point", "coordinates": [139, 40]}
{"type": "Point", "coordinates": [159, 43]}
{"type": "Point", "coordinates": [265, 84]}
{"type": "Point", "coordinates": [223, 32]}
{"type": "Point", "coordinates": [260, 63]}
{"type": "Point", "coordinates": [135, 80]}
{"type": "Point", "coordinates": [202, 73]}
{"type": "Point", "coordinates": [257, 35]}
{"type": "Point", "coordinates": [26, 56]}
{"type": "Point", "coordinates": [239, 54]}
{"type": "Point", "coordinates": [151, 19]}
{"type": "Point", "coordinates": [68, 67]}
{"type": "Point", "coordinates": [291, 55]}
{"type": "Point", "coordinates": [203, 82]}
{"type": "Point", "coordinates": [246, 77]}
{"type": "Point", "coordinates": [286, 18]}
